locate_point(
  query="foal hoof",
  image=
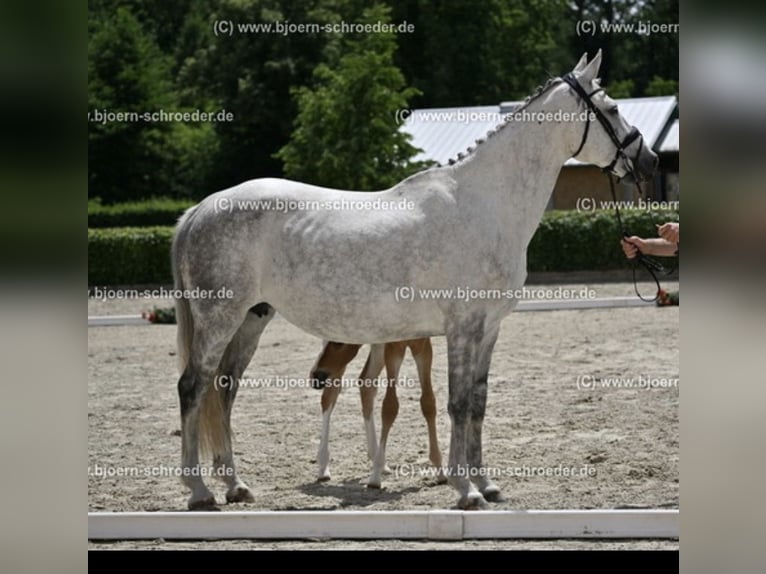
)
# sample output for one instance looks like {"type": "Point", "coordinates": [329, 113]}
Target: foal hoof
{"type": "Point", "coordinates": [472, 501]}
{"type": "Point", "coordinates": [492, 494]}
{"type": "Point", "coordinates": [323, 478]}
{"type": "Point", "coordinates": [239, 494]}
{"type": "Point", "coordinates": [203, 504]}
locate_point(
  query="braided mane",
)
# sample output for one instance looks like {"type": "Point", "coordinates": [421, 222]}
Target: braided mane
{"type": "Point", "coordinates": [539, 91]}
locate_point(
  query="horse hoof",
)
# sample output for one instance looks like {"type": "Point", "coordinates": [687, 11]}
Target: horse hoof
{"type": "Point", "coordinates": [472, 501]}
{"type": "Point", "coordinates": [203, 504]}
{"type": "Point", "coordinates": [492, 494]}
{"type": "Point", "coordinates": [240, 494]}
{"type": "Point", "coordinates": [375, 485]}
{"type": "Point", "coordinates": [323, 478]}
{"type": "Point", "coordinates": [441, 479]}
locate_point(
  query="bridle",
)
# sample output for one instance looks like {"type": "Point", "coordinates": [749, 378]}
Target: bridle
{"type": "Point", "coordinates": [651, 265]}
{"type": "Point", "coordinates": [620, 145]}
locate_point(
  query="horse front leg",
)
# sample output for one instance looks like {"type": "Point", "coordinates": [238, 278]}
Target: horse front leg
{"type": "Point", "coordinates": [464, 339]}
{"type": "Point", "coordinates": [478, 471]}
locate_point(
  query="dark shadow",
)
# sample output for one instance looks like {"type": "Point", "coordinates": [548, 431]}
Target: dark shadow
{"type": "Point", "coordinates": [353, 492]}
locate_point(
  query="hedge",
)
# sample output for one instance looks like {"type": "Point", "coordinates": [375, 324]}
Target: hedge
{"type": "Point", "coordinates": [565, 241]}
{"type": "Point", "coordinates": [129, 256]}
{"type": "Point", "coordinates": [588, 241]}
{"type": "Point", "coordinates": [147, 213]}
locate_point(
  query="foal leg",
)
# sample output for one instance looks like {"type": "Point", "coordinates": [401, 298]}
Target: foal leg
{"type": "Point", "coordinates": [479, 474]}
{"type": "Point", "coordinates": [394, 354]}
{"type": "Point", "coordinates": [235, 360]}
{"type": "Point", "coordinates": [329, 398]}
{"type": "Point", "coordinates": [423, 355]}
{"type": "Point", "coordinates": [368, 390]}
{"type": "Point", "coordinates": [328, 372]}
{"type": "Point", "coordinates": [464, 337]}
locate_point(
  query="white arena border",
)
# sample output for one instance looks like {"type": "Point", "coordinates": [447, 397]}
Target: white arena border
{"type": "Point", "coordinates": [542, 305]}
{"type": "Point", "coordinates": [368, 525]}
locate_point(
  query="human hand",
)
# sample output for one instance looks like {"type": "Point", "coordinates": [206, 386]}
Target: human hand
{"type": "Point", "coordinates": [669, 232]}
{"type": "Point", "coordinates": [631, 246]}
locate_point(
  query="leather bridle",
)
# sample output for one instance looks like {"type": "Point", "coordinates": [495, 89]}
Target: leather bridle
{"type": "Point", "coordinates": [651, 265]}
{"type": "Point", "coordinates": [620, 145]}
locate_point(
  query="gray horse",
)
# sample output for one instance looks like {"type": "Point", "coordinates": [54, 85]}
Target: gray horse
{"type": "Point", "coordinates": [368, 274]}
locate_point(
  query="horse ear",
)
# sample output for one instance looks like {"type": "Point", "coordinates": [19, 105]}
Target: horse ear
{"type": "Point", "coordinates": [590, 72]}
{"type": "Point", "coordinates": [581, 64]}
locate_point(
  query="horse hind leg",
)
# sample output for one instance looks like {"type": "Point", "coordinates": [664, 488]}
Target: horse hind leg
{"type": "Point", "coordinates": [329, 398]}
{"type": "Point", "coordinates": [367, 390]}
{"type": "Point", "coordinates": [394, 354]}
{"type": "Point", "coordinates": [423, 355]}
{"type": "Point", "coordinates": [235, 360]}
{"type": "Point", "coordinates": [201, 406]}
{"type": "Point", "coordinates": [328, 372]}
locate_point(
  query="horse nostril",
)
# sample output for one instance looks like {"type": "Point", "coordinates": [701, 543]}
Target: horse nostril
{"type": "Point", "coordinates": [319, 379]}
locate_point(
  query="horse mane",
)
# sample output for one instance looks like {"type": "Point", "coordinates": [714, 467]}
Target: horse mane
{"type": "Point", "coordinates": [539, 91]}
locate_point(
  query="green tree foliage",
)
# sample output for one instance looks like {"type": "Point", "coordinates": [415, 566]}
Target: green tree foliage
{"type": "Point", "coordinates": [648, 60]}
{"type": "Point", "coordinates": [252, 75]}
{"type": "Point", "coordinates": [128, 73]}
{"type": "Point", "coordinates": [147, 55]}
{"type": "Point", "coordinates": [467, 53]}
{"type": "Point", "coordinates": [346, 134]}
{"type": "Point", "coordinates": [662, 87]}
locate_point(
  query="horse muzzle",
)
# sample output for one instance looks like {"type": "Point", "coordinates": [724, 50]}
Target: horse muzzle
{"type": "Point", "coordinates": [646, 165]}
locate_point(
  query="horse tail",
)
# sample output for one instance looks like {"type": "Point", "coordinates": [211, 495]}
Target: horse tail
{"type": "Point", "coordinates": [184, 318]}
{"type": "Point", "coordinates": [213, 430]}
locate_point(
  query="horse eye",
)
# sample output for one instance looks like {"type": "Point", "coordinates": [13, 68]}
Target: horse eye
{"type": "Point", "coordinates": [613, 110]}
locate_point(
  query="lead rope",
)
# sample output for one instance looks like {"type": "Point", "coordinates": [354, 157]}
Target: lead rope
{"type": "Point", "coordinates": [650, 264]}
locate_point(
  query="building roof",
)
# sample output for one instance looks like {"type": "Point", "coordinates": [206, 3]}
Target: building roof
{"type": "Point", "coordinates": [442, 133]}
{"type": "Point", "coordinates": [669, 143]}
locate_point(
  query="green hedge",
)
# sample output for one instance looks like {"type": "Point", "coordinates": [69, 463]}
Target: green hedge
{"type": "Point", "coordinates": [565, 241]}
{"type": "Point", "coordinates": [129, 256]}
{"type": "Point", "coordinates": [147, 213]}
{"type": "Point", "coordinates": [585, 241]}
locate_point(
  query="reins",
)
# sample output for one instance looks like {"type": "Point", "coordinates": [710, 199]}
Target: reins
{"type": "Point", "coordinates": [651, 265]}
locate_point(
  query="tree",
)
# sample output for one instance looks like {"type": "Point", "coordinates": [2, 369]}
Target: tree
{"type": "Point", "coordinates": [252, 76]}
{"type": "Point", "coordinates": [346, 134]}
{"type": "Point", "coordinates": [633, 60]}
{"type": "Point", "coordinates": [464, 54]}
{"type": "Point", "coordinates": [134, 159]}
{"type": "Point", "coordinates": [662, 87]}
